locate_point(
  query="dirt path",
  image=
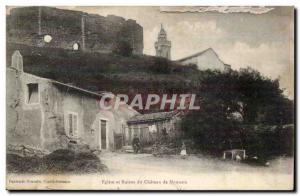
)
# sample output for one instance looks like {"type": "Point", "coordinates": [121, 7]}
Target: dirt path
{"type": "Point", "coordinates": [128, 163]}
{"type": "Point", "coordinates": [196, 172]}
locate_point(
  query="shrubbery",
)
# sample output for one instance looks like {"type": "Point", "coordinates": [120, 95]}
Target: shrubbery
{"type": "Point", "coordinates": [161, 66]}
{"type": "Point", "coordinates": [262, 111]}
{"type": "Point", "coordinates": [59, 161]}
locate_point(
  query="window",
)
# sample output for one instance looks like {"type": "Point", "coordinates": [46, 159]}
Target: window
{"type": "Point", "coordinates": [76, 46]}
{"type": "Point", "coordinates": [33, 93]}
{"type": "Point", "coordinates": [47, 38]}
{"type": "Point", "coordinates": [152, 128]}
{"type": "Point", "coordinates": [72, 124]}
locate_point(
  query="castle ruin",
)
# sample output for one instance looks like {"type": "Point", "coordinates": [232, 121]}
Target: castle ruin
{"type": "Point", "coordinates": [74, 30]}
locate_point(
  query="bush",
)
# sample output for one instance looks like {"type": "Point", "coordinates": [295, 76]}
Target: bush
{"type": "Point", "coordinates": [123, 48]}
{"type": "Point", "coordinates": [59, 161]}
{"type": "Point", "coordinates": [161, 66]}
{"type": "Point", "coordinates": [18, 164]}
{"type": "Point", "coordinates": [267, 141]}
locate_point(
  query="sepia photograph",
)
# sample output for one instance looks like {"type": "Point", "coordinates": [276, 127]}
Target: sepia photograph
{"type": "Point", "coordinates": [150, 98]}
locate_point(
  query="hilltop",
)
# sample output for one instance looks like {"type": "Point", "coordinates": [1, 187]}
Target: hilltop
{"type": "Point", "coordinates": [107, 72]}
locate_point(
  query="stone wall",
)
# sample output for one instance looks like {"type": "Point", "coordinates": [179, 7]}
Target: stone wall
{"type": "Point", "coordinates": [42, 125]}
{"type": "Point", "coordinates": [18, 120]}
{"type": "Point", "coordinates": [29, 25]}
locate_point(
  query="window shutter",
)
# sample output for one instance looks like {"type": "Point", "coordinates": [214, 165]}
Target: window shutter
{"type": "Point", "coordinates": [70, 125]}
{"type": "Point", "coordinates": [75, 125]}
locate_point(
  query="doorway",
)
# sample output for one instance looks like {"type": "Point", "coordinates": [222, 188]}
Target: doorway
{"type": "Point", "coordinates": [103, 137]}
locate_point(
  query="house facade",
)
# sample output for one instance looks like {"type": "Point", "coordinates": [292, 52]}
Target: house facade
{"type": "Point", "coordinates": [48, 114]}
{"type": "Point", "coordinates": [207, 59]}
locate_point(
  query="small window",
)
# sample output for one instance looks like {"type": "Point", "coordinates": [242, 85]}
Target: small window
{"type": "Point", "coordinates": [47, 38]}
{"type": "Point", "coordinates": [76, 46]}
{"type": "Point", "coordinates": [33, 93]}
{"type": "Point", "coordinates": [72, 124]}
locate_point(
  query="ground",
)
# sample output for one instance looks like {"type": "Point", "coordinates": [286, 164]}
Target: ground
{"type": "Point", "coordinates": [129, 171]}
{"type": "Point", "coordinates": [210, 173]}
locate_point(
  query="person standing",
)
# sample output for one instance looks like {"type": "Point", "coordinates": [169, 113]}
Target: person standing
{"type": "Point", "coordinates": [136, 144]}
{"type": "Point", "coordinates": [183, 153]}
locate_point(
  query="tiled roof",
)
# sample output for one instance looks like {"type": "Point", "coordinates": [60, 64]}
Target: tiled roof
{"type": "Point", "coordinates": [159, 116]}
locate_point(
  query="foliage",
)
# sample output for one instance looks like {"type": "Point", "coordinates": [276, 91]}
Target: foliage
{"type": "Point", "coordinates": [161, 66]}
{"type": "Point", "coordinates": [232, 106]}
{"type": "Point", "coordinates": [108, 72]}
{"type": "Point", "coordinates": [59, 161]}
{"type": "Point", "coordinates": [123, 48]}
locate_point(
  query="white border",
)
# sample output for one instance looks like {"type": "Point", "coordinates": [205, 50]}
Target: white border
{"type": "Point", "coordinates": [152, 2]}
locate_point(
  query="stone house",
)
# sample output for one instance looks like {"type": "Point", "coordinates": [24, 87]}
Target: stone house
{"type": "Point", "coordinates": [207, 59]}
{"type": "Point", "coordinates": [48, 114]}
{"type": "Point", "coordinates": [153, 127]}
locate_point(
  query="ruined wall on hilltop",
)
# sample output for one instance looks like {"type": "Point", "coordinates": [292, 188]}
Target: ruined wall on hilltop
{"type": "Point", "coordinates": [30, 25]}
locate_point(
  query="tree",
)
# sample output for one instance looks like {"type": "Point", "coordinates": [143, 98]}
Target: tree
{"type": "Point", "coordinates": [161, 66]}
{"type": "Point", "coordinates": [123, 48]}
{"type": "Point", "coordinates": [232, 104]}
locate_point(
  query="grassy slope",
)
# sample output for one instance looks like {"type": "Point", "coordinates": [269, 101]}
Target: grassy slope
{"type": "Point", "coordinates": [107, 72]}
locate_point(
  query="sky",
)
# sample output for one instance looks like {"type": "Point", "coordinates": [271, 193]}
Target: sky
{"type": "Point", "coordinates": [261, 38]}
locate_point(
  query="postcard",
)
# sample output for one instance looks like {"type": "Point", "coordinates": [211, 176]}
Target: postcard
{"type": "Point", "coordinates": [150, 98]}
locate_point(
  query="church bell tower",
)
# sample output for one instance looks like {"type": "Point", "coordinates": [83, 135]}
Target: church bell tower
{"type": "Point", "coordinates": [162, 45]}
